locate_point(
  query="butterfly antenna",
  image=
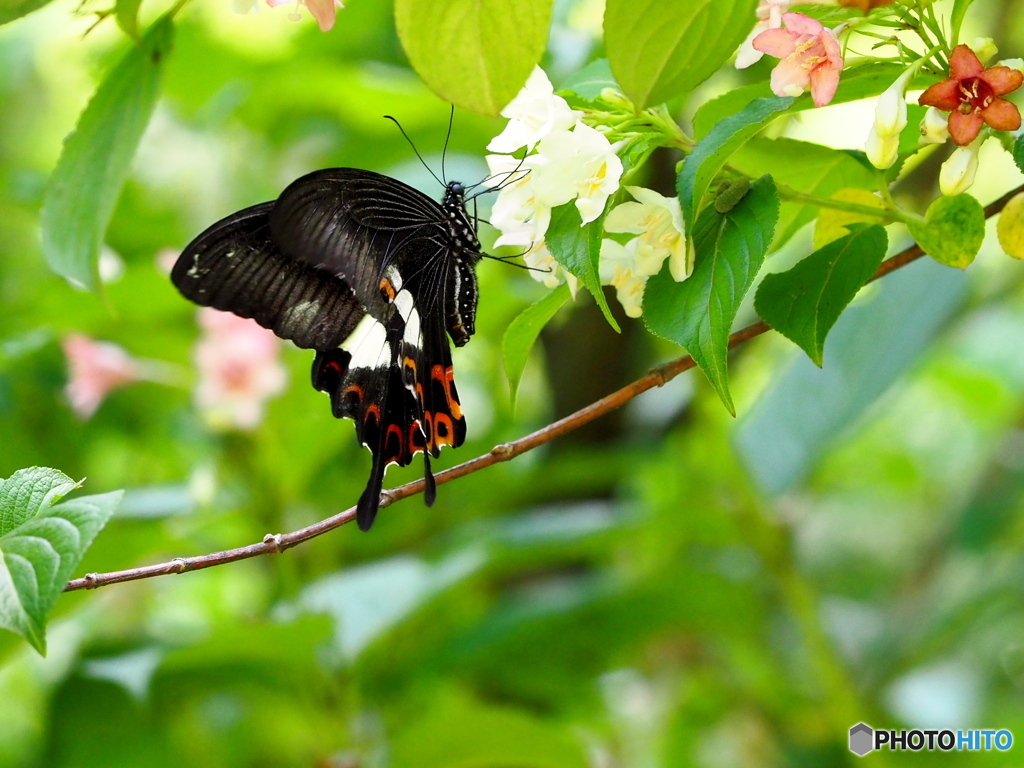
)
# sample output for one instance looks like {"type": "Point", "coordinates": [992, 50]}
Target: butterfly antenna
{"type": "Point", "coordinates": [389, 117]}
{"type": "Point", "coordinates": [444, 152]}
{"type": "Point", "coordinates": [510, 178]}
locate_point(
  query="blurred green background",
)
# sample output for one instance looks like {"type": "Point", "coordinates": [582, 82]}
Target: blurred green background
{"type": "Point", "coordinates": [665, 587]}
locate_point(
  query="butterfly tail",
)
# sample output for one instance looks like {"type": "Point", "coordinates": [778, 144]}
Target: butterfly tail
{"type": "Point", "coordinates": [369, 502]}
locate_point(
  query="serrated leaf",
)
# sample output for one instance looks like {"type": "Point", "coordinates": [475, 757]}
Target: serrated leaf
{"type": "Point", "coordinates": [857, 82]}
{"type": "Point", "coordinates": [496, 45]}
{"type": "Point", "coordinates": [39, 555]}
{"type": "Point", "coordinates": [810, 168]}
{"type": "Point", "coordinates": [804, 303]}
{"type": "Point", "coordinates": [28, 491]}
{"type": "Point", "coordinates": [953, 230]}
{"type": "Point", "coordinates": [127, 12]}
{"type": "Point", "coordinates": [15, 9]}
{"type": "Point", "coordinates": [522, 333]}
{"type": "Point", "coordinates": [659, 49]}
{"type": "Point", "coordinates": [698, 313]}
{"type": "Point", "coordinates": [96, 159]}
{"type": "Point", "coordinates": [833, 224]}
{"type": "Point", "coordinates": [1010, 227]}
{"type": "Point", "coordinates": [708, 157]}
{"type": "Point", "coordinates": [578, 249]}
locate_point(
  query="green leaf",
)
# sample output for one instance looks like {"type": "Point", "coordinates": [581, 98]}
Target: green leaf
{"type": "Point", "coordinates": [1010, 227]}
{"type": "Point", "coordinates": [27, 491]}
{"type": "Point", "coordinates": [659, 49]}
{"type": "Point", "coordinates": [952, 231]}
{"type": "Point", "coordinates": [698, 312]}
{"type": "Point", "coordinates": [127, 12]}
{"type": "Point", "coordinates": [497, 45]}
{"type": "Point", "coordinates": [15, 9]}
{"type": "Point", "coordinates": [804, 303]}
{"type": "Point", "coordinates": [39, 554]}
{"type": "Point", "coordinates": [1018, 152]}
{"type": "Point", "coordinates": [591, 80]}
{"type": "Point", "coordinates": [857, 83]}
{"type": "Point", "coordinates": [523, 332]}
{"type": "Point", "coordinates": [806, 167]}
{"type": "Point", "coordinates": [96, 159]}
{"type": "Point", "coordinates": [458, 731]}
{"type": "Point", "coordinates": [578, 249]}
{"type": "Point", "coordinates": [805, 409]}
{"type": "Point", "coordinates": [956, 18]}
{"type": "Point", "coordinates": [710, 154]}
{"type": "Point", "coordinates": [833, 224]}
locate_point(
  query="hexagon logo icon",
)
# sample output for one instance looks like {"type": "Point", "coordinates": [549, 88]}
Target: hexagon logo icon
{"type": "Point", "coordinates": [861, 739]}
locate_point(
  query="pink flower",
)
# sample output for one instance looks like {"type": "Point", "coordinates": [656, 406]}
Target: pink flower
{"type": "Point", "coordinates": [323, 11]}
{"type": "Point", "coordinates": [96, 369]}
{"type": "Point", "coordinates": [239, 369]}
{"type": "Point", "coordinates": [810, 56]}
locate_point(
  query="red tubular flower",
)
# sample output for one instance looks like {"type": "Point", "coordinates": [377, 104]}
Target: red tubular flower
{"type": "Point", "coordinates": [971, 95]}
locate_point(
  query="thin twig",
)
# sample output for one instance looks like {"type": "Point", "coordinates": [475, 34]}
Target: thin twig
{"type": "Point", "coordinates": [276, 543]}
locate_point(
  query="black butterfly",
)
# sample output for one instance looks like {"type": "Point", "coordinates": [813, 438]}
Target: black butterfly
{"type": "Point", "coordinates": [353, 258]}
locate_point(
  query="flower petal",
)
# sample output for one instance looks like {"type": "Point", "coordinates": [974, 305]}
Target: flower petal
{"type": "Point", "coordinates": [802, 25]}
{"type": "Point", "coordinates": [1002, 115]}
{"type": "Point", "coordinates": [775, 42]}
{"type": "Point", "coordinates": [789, 73]}
{"type": "Point", "coordinates": [964, 128]}
{"type": "Point", "coordinates": [324, 12]}
{"type": "Point", "coordinates": [944, 95]}
{"type": "Point", "coordinates": [1003, 79]}
{"type": "Point", "coordinates": [824, 82]}
{"type": "Point", "coordinates": [964, 63]}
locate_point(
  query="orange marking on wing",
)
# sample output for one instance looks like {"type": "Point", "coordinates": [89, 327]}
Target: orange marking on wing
{"type": "Point", "coordinates": [354, 388]}
{"type": "Point", "coordinates": [446, 378]}
{"type": "Point", "coordinates": [397, 431]}
{"type": "Point", "coordinates": [334, 365]}
{"type": "Point", "coordinates": [387, 289]}
{"type": "Point", "coordinates": [373, 409]}
{"type": "Point", "coordinates": [428, 428]}
{"type": "Point", "coordinates": [447, 434]}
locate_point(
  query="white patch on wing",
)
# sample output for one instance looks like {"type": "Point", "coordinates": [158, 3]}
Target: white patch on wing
{"type": "Point", "coordinates": [394, 278]}
{"type": "Point", "coordinates": [368, 345]}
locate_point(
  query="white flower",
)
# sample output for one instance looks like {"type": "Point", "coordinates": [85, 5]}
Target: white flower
{"type": "Point", "coordinates": [533, 114]}
{"type": "Point", "coordinates": [618, 269]}
{"type": "Point", "coordinates": [957, 173]}
{"type": "Point", "coordinates": [934, 127]}
{"type": "Point", "coordinates": [891, 108]}
{"type": "Point", "coordinates": [517, 212]}
{"type": "Point", "coordinates": [769, 16]}
{"type": "Point", "coordinates": [882, 151]}
{"type": "Point", "coordinates": [580, 163]}
{"type": "Point", "coordinates": [544, 268]}
{"type": "Point", "coordinates": [658, 221]}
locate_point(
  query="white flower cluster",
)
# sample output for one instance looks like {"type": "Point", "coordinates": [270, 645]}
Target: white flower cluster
{"type": "Point", "coordinates": [568, 160]}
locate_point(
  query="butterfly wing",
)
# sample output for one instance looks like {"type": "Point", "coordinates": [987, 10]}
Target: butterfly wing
{"type": "Point", "coordinates": [236, 266]}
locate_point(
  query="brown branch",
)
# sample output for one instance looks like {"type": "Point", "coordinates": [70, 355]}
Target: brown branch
{"type": "Point", "coordinates": [275, 543]}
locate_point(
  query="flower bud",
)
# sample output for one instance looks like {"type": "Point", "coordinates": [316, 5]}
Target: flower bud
{"type": "Point", "coordinates": [957, 173]}
{"type": "Point", "coordinates": [984, 48]}
{"type": "Point", "coordinates": [934, 127]}
{"type": "Point", "coordinates": [882, 151]}
{"type": "Point", "coordinates": [891, 109]}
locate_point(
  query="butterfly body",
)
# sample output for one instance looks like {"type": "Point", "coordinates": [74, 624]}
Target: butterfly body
{"type": "Point", "coordinates": [373, 275]}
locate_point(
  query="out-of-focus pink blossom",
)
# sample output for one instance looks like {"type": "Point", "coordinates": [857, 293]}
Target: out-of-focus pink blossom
{"type": "Point", "coordinates": [810, 56]}
{"type": "Point", "coordinates": [96, 369]}
{"type": "Point", "coordinates": [323, 11]}
{"type": "Point", "coordinates": [239, 369]}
